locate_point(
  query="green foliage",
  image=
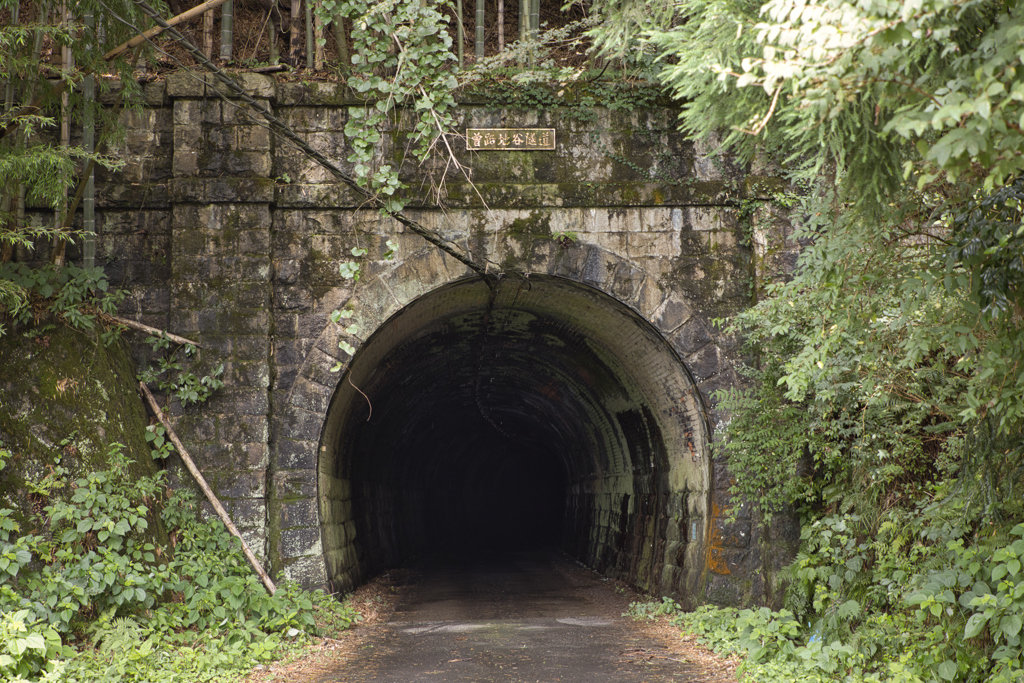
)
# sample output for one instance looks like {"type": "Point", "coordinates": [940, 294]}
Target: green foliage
{"type": "Point", "coordinates": [78, 296]}
{"type": "Point", "coordinates": [979, 588]}
{"type": "Point", "coordinates": [108, 605]}
{"type": "Point", "coordinates": [652, 610]}
{"type": "Point", "coordinates": [156, 437]}
{"type": "Point", "coordinates": [401, 52]}
{"type": "Point", "coordinates": [875, 91]}
{"type": "Point", "coordinates": [856, 379]}
{"type": "Point", "coordinates": [33, 170]}
{"type": "Point", "coordinates": [171, 376]}
{"type": "Point", "coordinates": [990, 246]}
{"type": "Point", "coordinates": [866, 97]}
{"type": "Point", "coordinates": [28, 649]}
{"type": "Point", "coordinates": [532, 61]}
{"type": "Point", "coordinates": [760, 633]}
{"type": "Point", "coordinates": [925, 598]}
{"type": "Point", "coordinates": [886, 375]}
{"type": "Point", "coordinates": [769, 439]}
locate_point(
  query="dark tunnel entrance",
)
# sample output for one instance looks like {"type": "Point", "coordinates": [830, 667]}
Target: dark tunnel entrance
{"type": "Point", "coordinates": [490, 495]}
{"type": "Point", "coordinates": [541, 414]}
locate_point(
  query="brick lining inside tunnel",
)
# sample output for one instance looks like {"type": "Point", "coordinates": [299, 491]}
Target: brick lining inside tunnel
{"type": "Point", "coordinates": [541, 413]}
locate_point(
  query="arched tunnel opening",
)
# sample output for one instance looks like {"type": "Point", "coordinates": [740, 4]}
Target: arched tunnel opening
{"type": "Point", "coordinates": [540, 413]}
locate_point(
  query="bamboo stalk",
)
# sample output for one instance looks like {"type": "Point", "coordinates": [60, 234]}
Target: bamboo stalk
{"type": "Point", "coordinates": [210, 496]}
{"type": "Point", "coordinates": [17, 205]}
{"type": "Point", "coordinates": [501, 26]}
{"type": "Point", "coordinates": [309, 35]}
{"type": "Point", "coordinates": [480, 17]}
{"type": "Point", "coordinates": [34, 103]}
{"type": "Point", "coordinates": [295, 38]}
{"type": "Point", "coordinates": [461, 30]}
{"type": "Point", "coordinates": [227, 30]}
{"type": "Point", "coordinates": [60, 244]}
{"type": "Point", "coordinates": [344, 61]}
{"type": "Point", "coordinates": [89, 142]}
{"type": "Point", "coordinates": [282, 129]}
{"type": "Point", "coordinates": [318, 43]}
{"type": "Point", "coordinates": [9, 90]}
{"type": "Point", "coordinates": [275, 51]}
{"type": "Point", "coordinates": [8, 199]}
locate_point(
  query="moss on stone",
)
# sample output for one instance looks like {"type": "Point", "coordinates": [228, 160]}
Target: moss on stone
{"type": "Point", "coordinates": [65, 398]}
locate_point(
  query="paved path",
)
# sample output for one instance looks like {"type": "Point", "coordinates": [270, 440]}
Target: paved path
{"type": "Point", "coordinates": [520, 618]}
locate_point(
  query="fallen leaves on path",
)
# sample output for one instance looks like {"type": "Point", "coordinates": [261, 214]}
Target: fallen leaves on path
{"type": "Point", "coordinates": [702, 665]}
{"type": "Point", "coordinates": [375, 601]}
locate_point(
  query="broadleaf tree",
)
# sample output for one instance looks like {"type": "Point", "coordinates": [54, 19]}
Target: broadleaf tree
{"type": "Point", "coordinates": [900, 336]}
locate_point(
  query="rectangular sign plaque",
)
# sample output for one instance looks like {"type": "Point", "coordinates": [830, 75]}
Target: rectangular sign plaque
{"type": "Point", "coordinates": [510, 138]}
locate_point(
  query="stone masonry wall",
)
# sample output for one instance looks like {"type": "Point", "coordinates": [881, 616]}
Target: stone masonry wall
{"type": "Point", "coordinates": [228, 235]}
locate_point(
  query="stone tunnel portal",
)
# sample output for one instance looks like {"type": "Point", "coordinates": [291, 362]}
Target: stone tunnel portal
{"type": "Point", "coordinates": [540, 413]}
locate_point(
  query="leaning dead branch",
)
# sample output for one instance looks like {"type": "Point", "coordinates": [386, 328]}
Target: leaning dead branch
{"type": "Point", "coordinates": [198, 476]}
{"type": "Point", "coordinates": [155, 331]}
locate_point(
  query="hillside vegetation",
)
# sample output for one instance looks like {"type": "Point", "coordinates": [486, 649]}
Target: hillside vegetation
{"type": "Point", "coordinates": [886, 396]}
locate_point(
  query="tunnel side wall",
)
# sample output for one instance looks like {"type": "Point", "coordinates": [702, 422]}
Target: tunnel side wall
{"type": "Point", "coordinates": [226, 235]}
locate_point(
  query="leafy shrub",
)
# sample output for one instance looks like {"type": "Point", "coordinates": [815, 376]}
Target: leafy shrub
{"type": "Point", "coordinates": [95, 600]}
{"type": "Point", "coordinates": [76, 295]}
{"type": "Point", "coordinates": [925, 600]}
{"type": "Point", "coordinates": [652, 610]}
{"type": "Point", "coordinates": [171, 376]}
{"type": "Point", "coordinates": [27, 648]}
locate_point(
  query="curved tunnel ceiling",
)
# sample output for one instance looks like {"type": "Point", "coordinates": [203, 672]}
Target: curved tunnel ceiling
{"type": "Point", "coordinates": [505, 417]}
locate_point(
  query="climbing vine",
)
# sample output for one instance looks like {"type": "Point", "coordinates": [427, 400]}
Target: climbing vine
{"type": "Point", "coordinates": [400, 65]}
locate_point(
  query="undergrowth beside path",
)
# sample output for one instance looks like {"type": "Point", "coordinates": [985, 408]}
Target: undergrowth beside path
{"type": "Point", "coordinates": [86, 596]}
{"type": "Point", "coordinates": [948, 607]}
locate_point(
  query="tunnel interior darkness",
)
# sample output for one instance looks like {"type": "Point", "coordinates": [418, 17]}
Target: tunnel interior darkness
{"type": "Point", "coordinates": [542, 413]}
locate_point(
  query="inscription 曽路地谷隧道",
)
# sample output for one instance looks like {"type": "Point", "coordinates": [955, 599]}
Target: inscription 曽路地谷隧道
{"type": "Point", "coordinates": [510, 138]}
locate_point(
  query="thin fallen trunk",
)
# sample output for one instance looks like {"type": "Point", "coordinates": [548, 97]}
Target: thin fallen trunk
{"type": "Point", "coordinates": [157, 30]}
{"type": "Point", "coordinates": [155, 331]}
{"type": "Point", "coordinates": [221, 512]}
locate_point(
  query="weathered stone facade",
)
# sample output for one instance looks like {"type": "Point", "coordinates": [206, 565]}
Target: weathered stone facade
{"type": "Point", "coordinates": [620, 246]}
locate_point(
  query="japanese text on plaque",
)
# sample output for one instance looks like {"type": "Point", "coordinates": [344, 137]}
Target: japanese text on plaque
{"type": "Point", "coordinates": [510, 138]}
